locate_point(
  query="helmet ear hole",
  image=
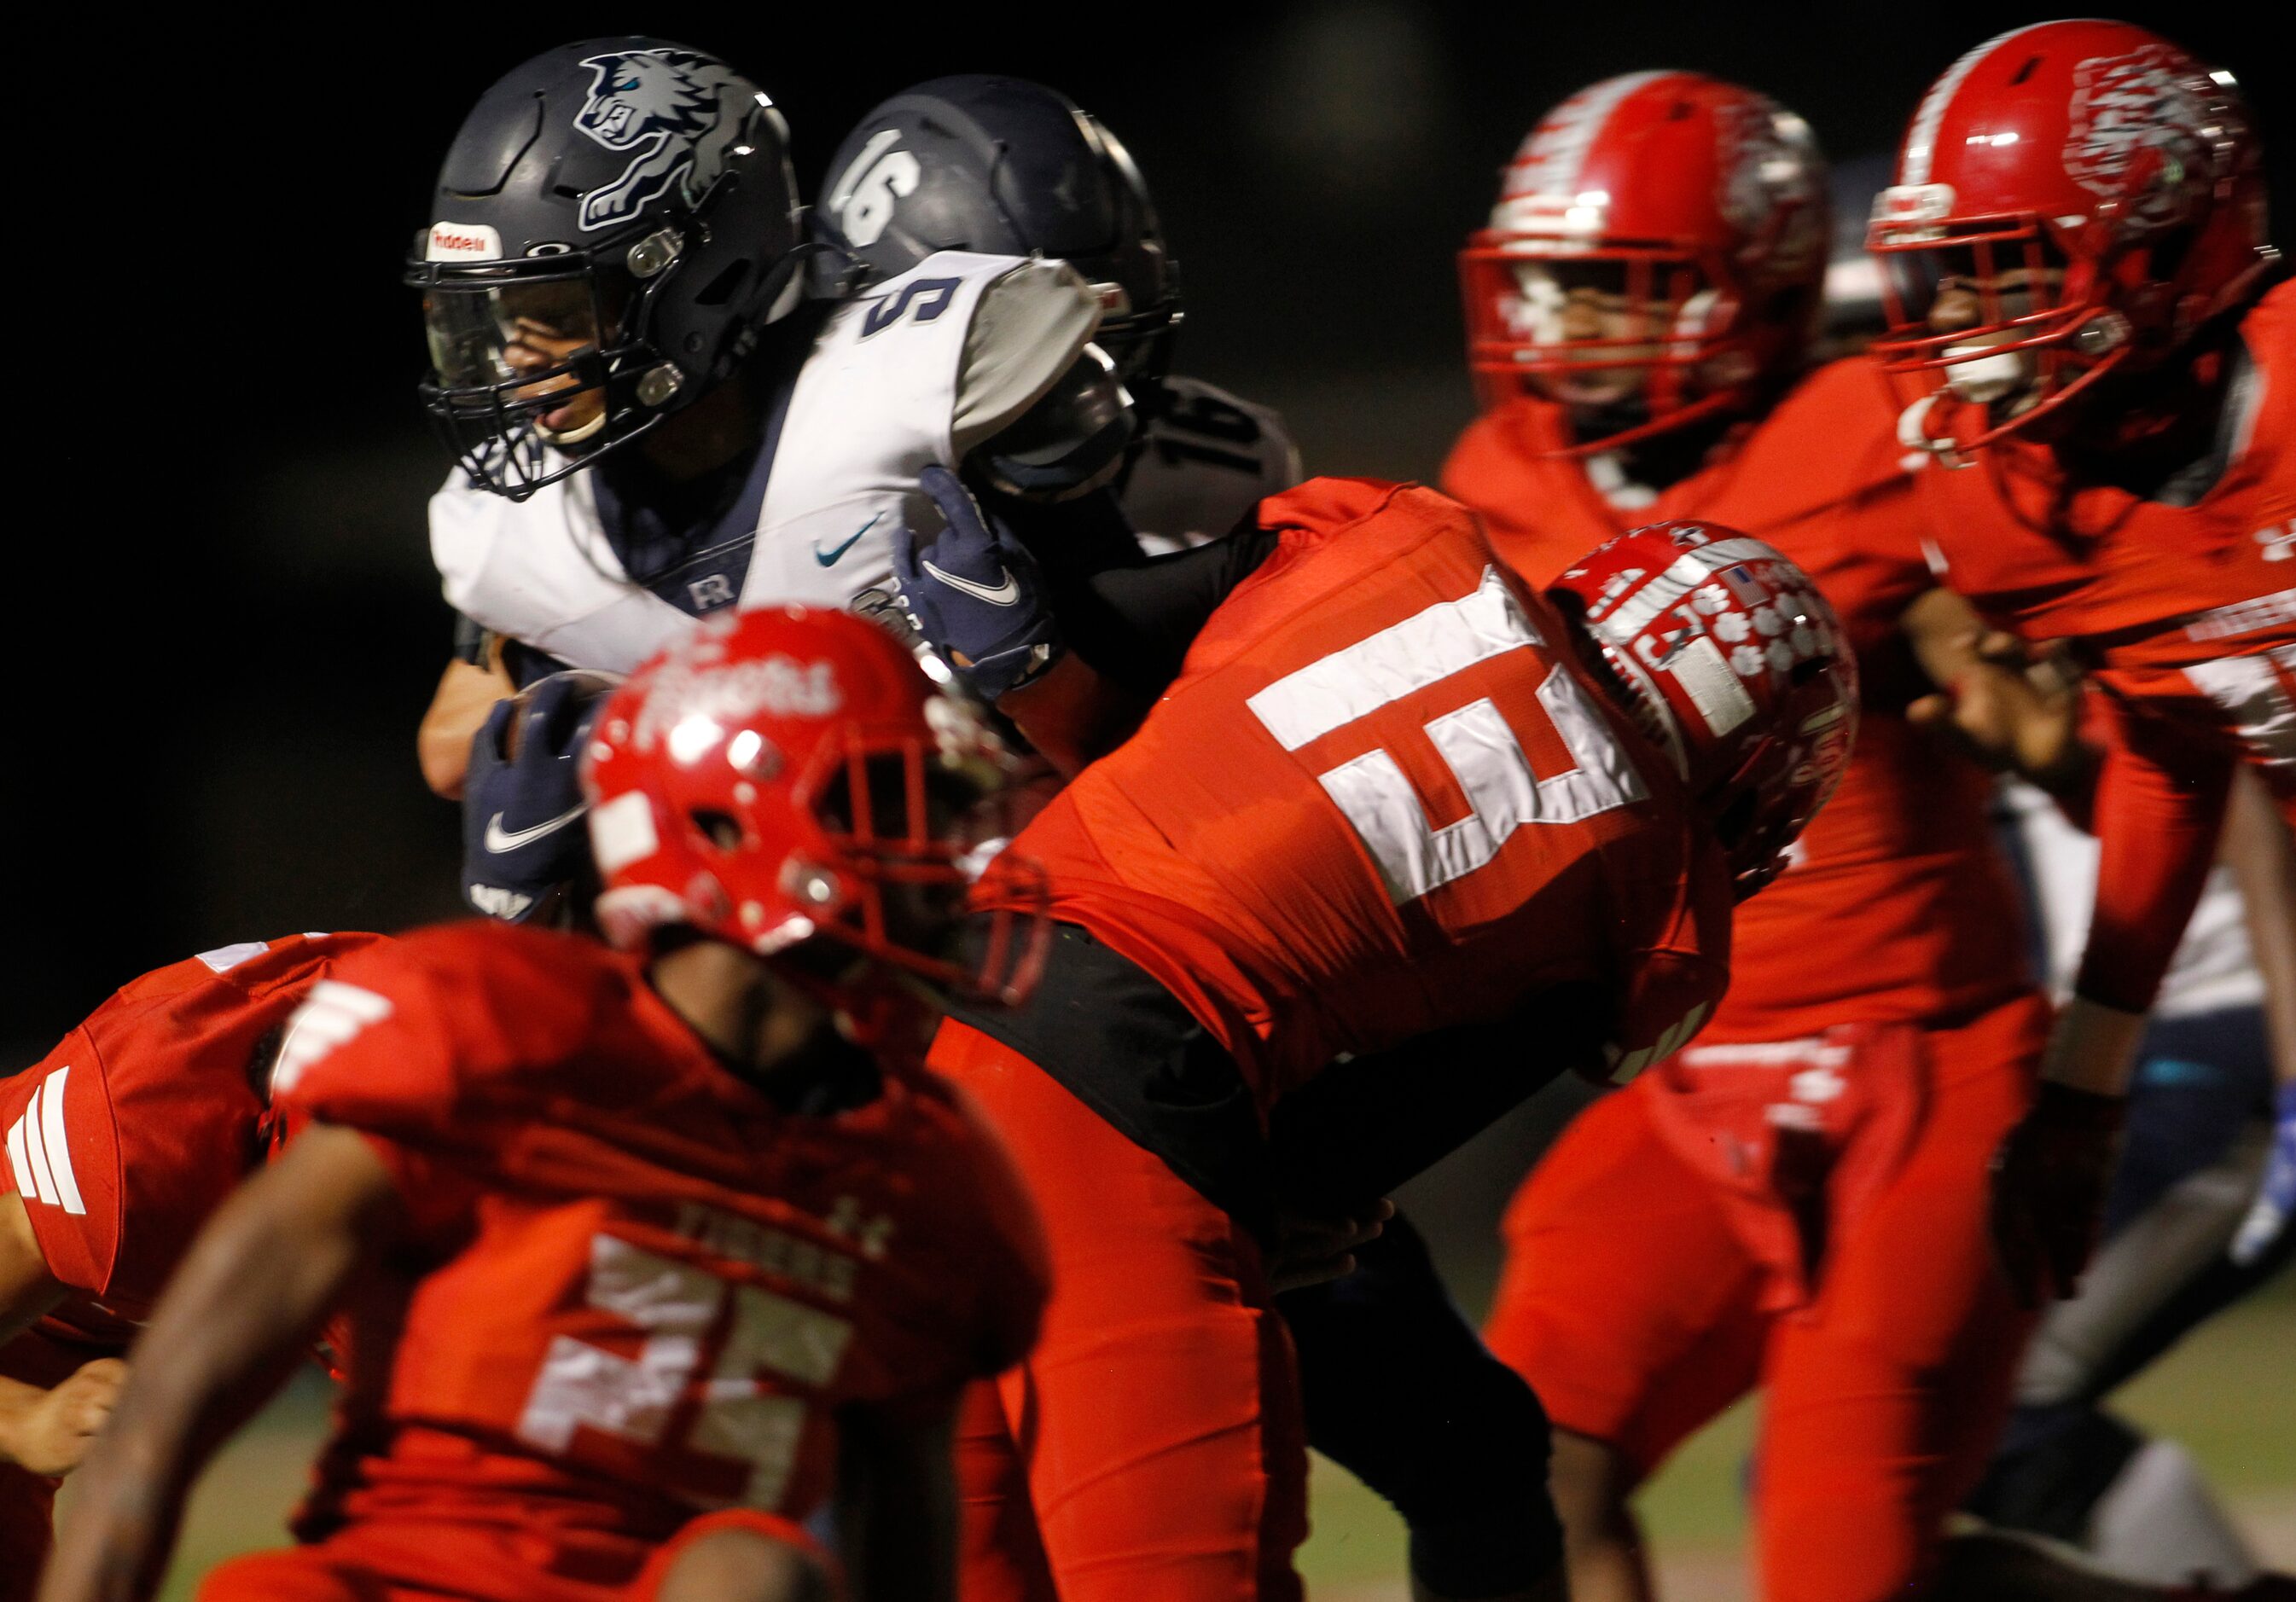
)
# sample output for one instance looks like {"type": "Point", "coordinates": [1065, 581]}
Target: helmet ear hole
{"type": "Point", "coordinates": [721, 830]}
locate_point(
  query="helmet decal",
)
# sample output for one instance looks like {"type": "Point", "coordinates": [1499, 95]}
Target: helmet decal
{"type": "Point", "coordinates": [721, 692]}
{"type": "Point", "coordinates": [1764, 170]}
{"type": "Point", "coordinates": [1922, 136]}
{"type": "Point", "coordinates": [2073, 198]}
{"type": "Point", "coordinates": [678, 110]}
{"type": "Point", "coordinates": [2124, 105]}
{"type": "Point", "coordinates": [1547, 168]}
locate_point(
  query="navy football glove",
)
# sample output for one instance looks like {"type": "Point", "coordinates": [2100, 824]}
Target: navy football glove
{"type": "Point", "coordinates": [522, 834]}
{"type": "Point", "coordinates": [975, 592]}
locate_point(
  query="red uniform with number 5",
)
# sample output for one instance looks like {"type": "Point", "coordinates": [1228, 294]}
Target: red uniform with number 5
{"type": "Point", "coordinates": [640, 1291]}
{"type": "Point", "coordinates": [1378, 799]}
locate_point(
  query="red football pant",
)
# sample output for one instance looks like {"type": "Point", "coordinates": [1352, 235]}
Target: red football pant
{"type": "Point", "coordinates": [377, 1563]}
{"type": "Point", "coordinates": [1634, 1308]}
{"type": "Point", "coordinates": [1153, 1444]}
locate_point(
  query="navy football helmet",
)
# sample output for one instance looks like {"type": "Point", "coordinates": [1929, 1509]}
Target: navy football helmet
{"type": "Point", "coordinates": [612, 225]}
{"type": "Point", "coordinates": [1009, 167]}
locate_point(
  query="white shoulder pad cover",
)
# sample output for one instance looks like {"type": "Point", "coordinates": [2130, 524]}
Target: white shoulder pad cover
{"type": "Point", "coordinates": [541, 571]}
{"type": "Point", "coordinates": [875, 405]}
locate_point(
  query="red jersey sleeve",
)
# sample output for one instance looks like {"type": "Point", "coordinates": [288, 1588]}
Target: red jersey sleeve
{"type": "Point", "coordinates": [2159, 807]}
{"type": "Point", "coordinates": [63, 1159]}
{"type": "Point", "coordinates": [388, 1047]}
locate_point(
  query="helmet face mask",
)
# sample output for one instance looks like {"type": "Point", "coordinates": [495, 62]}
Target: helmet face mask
{"type": "Point", "coordinates": [615, 222]}
{"type": "Point", "coordinates": [520, 361]}
{"type": "Point", "coordinates": [2072, 199]}
{"type": "Point", "coordinates": [1615, 333]}
{"type": "Point", "coordinates": [1657, 254]}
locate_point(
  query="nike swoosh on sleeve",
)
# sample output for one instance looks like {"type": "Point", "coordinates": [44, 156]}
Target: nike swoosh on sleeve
{"type": "Point", "coordinates": [1004, 594]}
{"type": "Point", "coordinates": [499, 839]}
{"type": "Point", "coordinates": [829, 558]}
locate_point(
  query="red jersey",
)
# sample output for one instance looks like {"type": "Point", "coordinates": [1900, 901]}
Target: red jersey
{"type": "Point", "coordinates": [1897, 907]}
{"type": "Point", "coordinates": [1380, 798]}
{"type": "Point", "coordinates": [639, 1289]}
{"type": "Point", "coordinates": [124, 1139]}
{"type": "Point", "coordinates": [2188, 617]}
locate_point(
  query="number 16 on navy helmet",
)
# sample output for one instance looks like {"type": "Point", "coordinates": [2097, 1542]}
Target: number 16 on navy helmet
{"type": "Point", "coordinates": [612, 225]}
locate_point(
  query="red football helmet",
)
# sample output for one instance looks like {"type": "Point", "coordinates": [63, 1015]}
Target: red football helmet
{"type": "Point", "coordinates": [1701, 203]}
{"type": "Point", "coordinates": [2075, 197]}
{"type": "Point", "coordinates": [788, 773]}
{"type": "Point", "coordinates": [1726, 655]}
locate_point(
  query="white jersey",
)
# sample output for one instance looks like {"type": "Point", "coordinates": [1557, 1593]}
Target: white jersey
{"type": "Point", "coordinates": [916, 372]}
{"type": "Point", "coordinates": [2214, 968]}
{"type": "Point", "coordinates": [1207, 459]}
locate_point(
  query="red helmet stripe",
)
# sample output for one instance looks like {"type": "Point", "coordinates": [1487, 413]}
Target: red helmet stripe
{"type": "Point", "coordinates": [1920, 137]}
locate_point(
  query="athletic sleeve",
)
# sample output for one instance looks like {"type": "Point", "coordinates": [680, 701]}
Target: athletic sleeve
{"type": "Point", "coordinates": [2160, 807]}
{"type": "Point", "coordinates": [63, 1159]}
{"type": "Point", "coordinates": [1140, 620]}
{"type": "Point", "coordinates": [1027, 331]}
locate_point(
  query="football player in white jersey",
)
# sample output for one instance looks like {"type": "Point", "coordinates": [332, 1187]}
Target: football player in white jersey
{"type": "Point", "coordinates": [2197, 1213]}
{"type": "Point", "coordinates": [652, 418]}
{"type": "Point", "coordinates": [983, 162]}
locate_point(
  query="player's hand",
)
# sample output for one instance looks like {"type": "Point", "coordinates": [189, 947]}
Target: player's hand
{"type": "Point", "coordinates": [2275, 1198]}
{"type": "Point", "coordinates": [522, 806]}
{"type": "Point", "coordinates": [2015, 708]}
{"type": "Point", "coordinates": [975, 592]}
{"type": "Point", "coordinates": [2049, 1182]}
{"type": "Point", "coordinates": [54, 1434]}
{"type": "Point", "coordinates": [1309, 1251]}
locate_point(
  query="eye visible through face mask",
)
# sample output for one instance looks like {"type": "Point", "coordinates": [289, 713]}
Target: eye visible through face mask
{"type": "Point", "coordinates": [1985, 285]}
{"type": "Point", "coordinates": [520, 344]}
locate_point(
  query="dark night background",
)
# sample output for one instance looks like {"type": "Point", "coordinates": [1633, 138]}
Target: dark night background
{"type": "Point", "coordinates": [227, 621]}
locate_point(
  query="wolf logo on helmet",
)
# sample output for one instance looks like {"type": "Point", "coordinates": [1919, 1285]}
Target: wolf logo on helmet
{"type": "Point", "coordinates": [678, 109]}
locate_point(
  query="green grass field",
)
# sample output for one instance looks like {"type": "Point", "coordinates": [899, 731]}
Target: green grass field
{"type": "Point", "coordinates": [2229, 1394]}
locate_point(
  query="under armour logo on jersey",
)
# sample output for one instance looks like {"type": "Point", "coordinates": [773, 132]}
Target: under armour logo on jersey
{"type": "Point", "coordinates": [39, 1151]}
{"type": "Point", "coordinates": [331, 1016]}
{"type": "Point", "coordinates": [2279, 541]}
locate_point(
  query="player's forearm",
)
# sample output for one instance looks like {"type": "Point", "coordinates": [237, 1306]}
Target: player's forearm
{"type": "Point", "coordinates": [1070, 715]}
{"type": "Point", "coordinates": [458, 709]}
{"type": "Point", "coordinates": [236, 1319]}
{"type": "Point", "coordinates": [2259, 849]}
{"type": "Point", "coordinates": [2159, 809]}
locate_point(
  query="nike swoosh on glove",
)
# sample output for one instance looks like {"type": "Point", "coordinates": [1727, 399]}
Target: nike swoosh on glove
{"type": "Point", "coordinates": [522, 834]}
{"type": "Point", "coordinates": [2275, 1198]}
{"type": "Point", "coordinates": [974, 591]}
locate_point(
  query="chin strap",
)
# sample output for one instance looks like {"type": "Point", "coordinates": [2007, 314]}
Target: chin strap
{"type": "Point", "coordinates": [1720, 402]}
